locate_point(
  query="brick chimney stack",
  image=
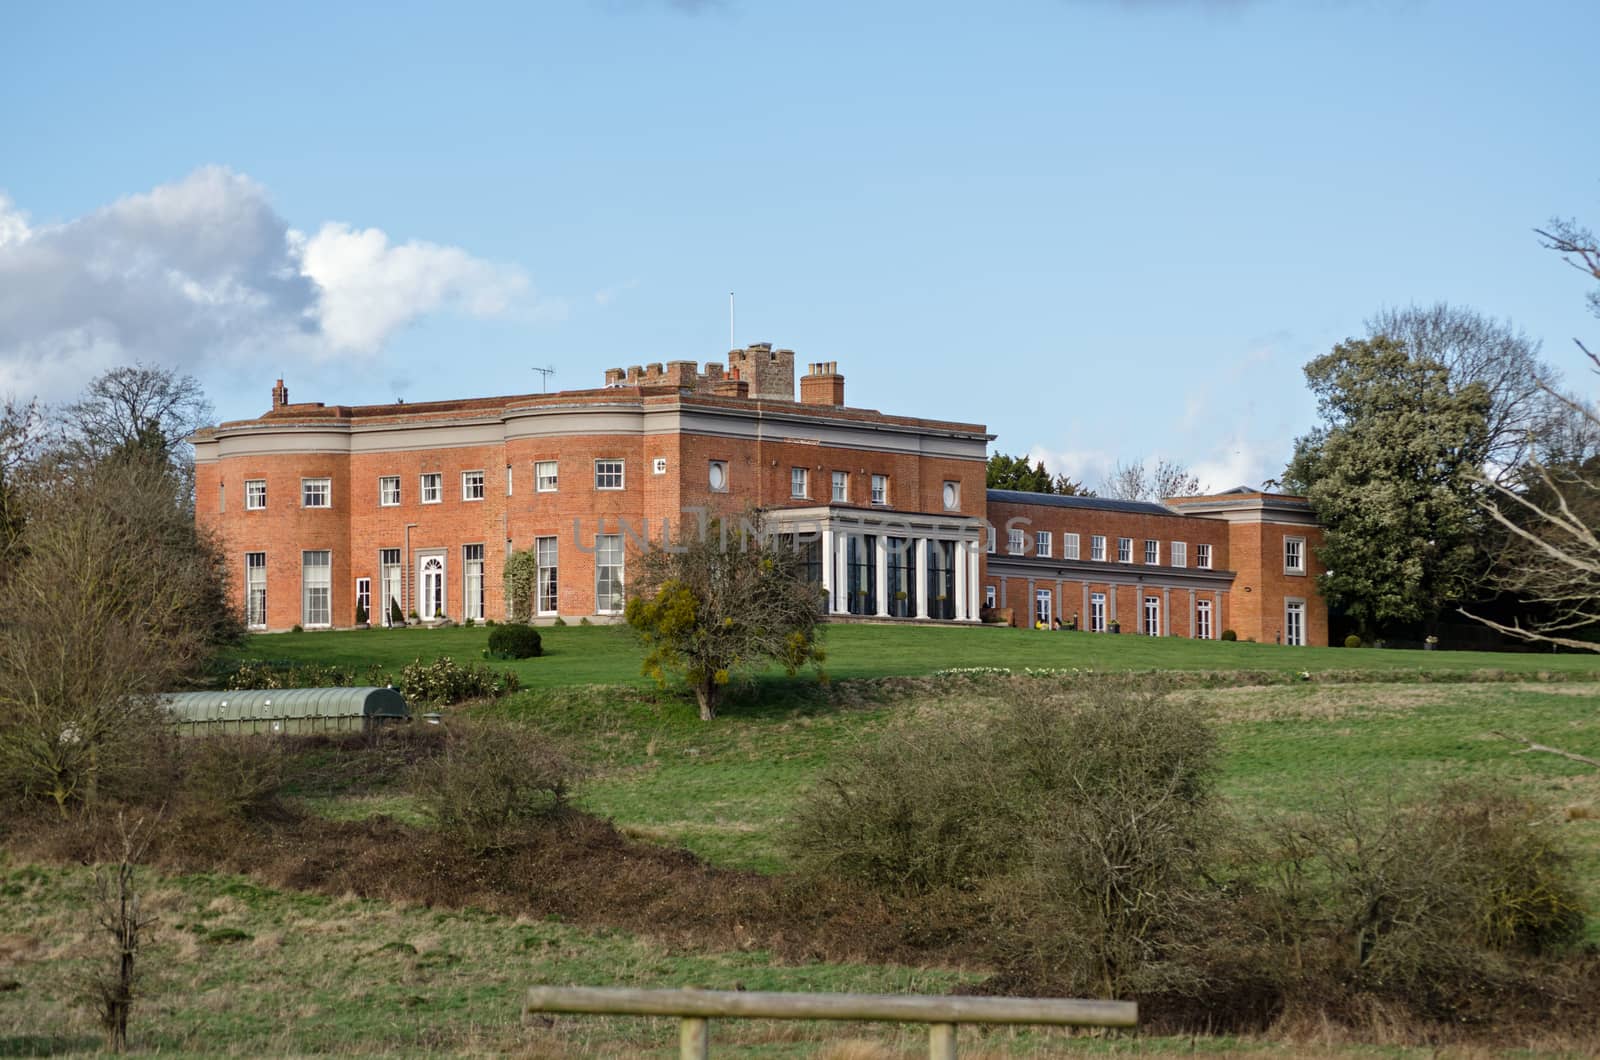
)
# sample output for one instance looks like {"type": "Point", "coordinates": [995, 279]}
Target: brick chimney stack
{"type": "Point", "coordinates": [822, 384]}
{"type": "Point", "coordinates": [280, 395]}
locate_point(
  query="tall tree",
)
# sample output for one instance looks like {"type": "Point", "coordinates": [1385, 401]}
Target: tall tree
{"type": "Point", "coordinates": [1392, 474]}
{"type": "Point", "coordinates": [1474, 348]}
{"type": "Point", "coordinates": [1018, 473]}
{"type": "Point", "coordinates": [139, 407]}
{"type": "Point", "coordinates": [1550, 510]}
{"type": "Point", "coordinates": [1136, 482]}
{"type": "Point", "coordinates": [20, 438]}
{"type": "Point", "coordinates": [116, 595]}
{"type": "Point", "coordinates": [726, 597]}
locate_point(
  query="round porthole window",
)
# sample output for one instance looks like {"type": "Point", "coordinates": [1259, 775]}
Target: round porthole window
{"type": "Point", "coordinates": [719, 475]}
{"type": "Point", "coordinates": [952, 495]}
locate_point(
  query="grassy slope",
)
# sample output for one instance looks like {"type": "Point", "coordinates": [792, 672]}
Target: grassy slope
{"type": "Point", "coordinates": [270, 972]}
{"type": "Point", "coordinates": [724, 789]}
{"type": "Point", "coordinates": [577, 655]}
{"type": "Point", "coordinates": [232, 968]}
{"type": "Point", "coordinates": [315, 975]}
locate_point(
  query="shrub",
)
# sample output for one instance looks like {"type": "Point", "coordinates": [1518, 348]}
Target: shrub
{"type": "Point", "coordinates": [489, 780]}
{"type": "Point", "coordinates": [300, 675]}
{"type": "Point", "coordinates": [1229, 634]}
{"type": "Point", "coordinates": [941, 805]}
{"type": "Point", "coordinates": [1352, 641]}
{"type": "Point", "coordinates": [297, 628]}
{"type": "Point", "coordinates": [361, 613]}
{"type": "Point", "coordinates": [397, 617]}
{"type": "Point", "coordinates": [1424, 902]}
{"type": "Point", "coordinates": [444, 681]}
{"type": "Point", "coordinates": [1084, 818]}
{"type": "Point", "coordinates": [515, 641]}
{"type": "Point", "coordinates": [234, 776]}
{"type": "Point", "coordinates": [559, 621]}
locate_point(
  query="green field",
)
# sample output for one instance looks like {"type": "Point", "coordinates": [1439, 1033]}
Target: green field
{"type": "Point", "coordinates": [243, 969]}
{"type": "Point", "coordinates": [577, 655]}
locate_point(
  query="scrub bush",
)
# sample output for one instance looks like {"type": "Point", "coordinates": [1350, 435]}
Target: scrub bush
{"type": "Point", "coordinates": [237, 777]}
{"type": "Point", "coordinates": [489, 780]}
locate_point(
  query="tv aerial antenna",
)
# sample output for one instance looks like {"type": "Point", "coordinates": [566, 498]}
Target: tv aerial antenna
{"type": "Point", "coordinates": [544, 382]}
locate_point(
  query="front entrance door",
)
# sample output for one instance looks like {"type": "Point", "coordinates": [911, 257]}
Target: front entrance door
{"type": "Point", "coordinates": [431, 578]}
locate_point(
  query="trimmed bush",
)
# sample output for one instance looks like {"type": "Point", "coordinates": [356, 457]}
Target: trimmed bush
{"type": "Point", "coordinates": [1352, 641]}
{"type": "Point", "coordinates": [515, 640]}
{"type": "Point", "coordinates": [1229, 634]}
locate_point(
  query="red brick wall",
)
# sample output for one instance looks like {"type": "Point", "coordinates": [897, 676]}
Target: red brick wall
{"type": "Point", "coordinates": [356, 527]}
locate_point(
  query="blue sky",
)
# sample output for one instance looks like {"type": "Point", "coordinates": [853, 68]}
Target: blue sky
{"type": "Point", "coordinates": [1108, 230]}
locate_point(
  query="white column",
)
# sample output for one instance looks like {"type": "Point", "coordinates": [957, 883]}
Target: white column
{"type": "Point", "coordinates": [881, 581]}
{"type": "Point", "coordinates": [841, 556]}
{"type": "Point", "coordinates": [828, 585]}
{"type": "Point", "coordinates": [922, 577]}
{"type": "Point", "coordinates": [959, 563]}
{"type": "Point", "coordinates": [975, 565]}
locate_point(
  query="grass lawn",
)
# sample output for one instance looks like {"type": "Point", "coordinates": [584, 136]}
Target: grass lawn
{"type": "Point", "coordinates": [245, 970]}
{"type": "Point", "coordinates": [578, 655]}
{"type": "Point", "coordinates": [724, 789]}
{"type": "Point", "coordinates": [235, 969]}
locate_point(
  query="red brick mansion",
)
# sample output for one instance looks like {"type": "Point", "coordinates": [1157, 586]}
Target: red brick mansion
{"type": "Point", "coordinates": [417, 506]}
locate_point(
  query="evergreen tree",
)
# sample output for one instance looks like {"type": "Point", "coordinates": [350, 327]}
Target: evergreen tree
{"type": "Point", "coordinates": [1393, 474]}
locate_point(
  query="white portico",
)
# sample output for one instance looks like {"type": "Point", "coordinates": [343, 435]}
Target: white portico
{"type": "Point", "coordinates": [883, 564]}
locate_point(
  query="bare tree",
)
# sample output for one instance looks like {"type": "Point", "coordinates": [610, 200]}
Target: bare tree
{"type": "Point", "coordinates": [20, 437]}
{"type": "Point", "coordinates": [118, 910]}
{"type": "Point", "coordinates": [1550, 510]}
{"type": "Point", "coordinates": [1477, 349]}
{"type": "Point", "coordinates": [1135, 482]}
{"type": "Point", "coordinates": [115, 596]}
{"type": "Point", "coordinates": [139, 407]}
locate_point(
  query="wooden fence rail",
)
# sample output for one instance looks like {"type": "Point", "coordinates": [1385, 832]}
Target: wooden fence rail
{"type": "Point", "coordinates": [694, 1008]}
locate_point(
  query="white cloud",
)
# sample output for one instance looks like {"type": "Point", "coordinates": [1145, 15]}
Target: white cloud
{"type": "Point", "coordinates": [1237, 461]}
{"type": "Point", "coordinates": [204, 270]}
{"type": "Point", "coordinates": [1088, 466]}
{"type": "Point", "coordinates": [370, 288]}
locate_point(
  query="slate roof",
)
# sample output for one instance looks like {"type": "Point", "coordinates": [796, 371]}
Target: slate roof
{"type": "Point", "coordinates": [1057, 500]}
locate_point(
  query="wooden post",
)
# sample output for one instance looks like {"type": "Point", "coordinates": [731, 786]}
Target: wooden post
{"type": "Point", "coordinates": [941, 1041]}
{"type": "Point", "coordinates": [694, 1038]}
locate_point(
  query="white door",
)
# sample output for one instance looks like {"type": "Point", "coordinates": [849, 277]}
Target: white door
{"type": "Point", "coordinates": [1041, 606]}
{"type": "Point", "coordinates": [432, 581]}
{"type": "Point", "coordinates": [1202, 620]}
{"type": "Point", "coordinates": [1294, 622]}
{"type": "Point", "coordinates": [1152, 616]}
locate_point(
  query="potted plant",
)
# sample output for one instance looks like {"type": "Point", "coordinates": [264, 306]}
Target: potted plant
{"type": "Point", "coordinates": [397, 617]}
{"type": "Point", "coordinates": [361, 616]}
{"type": "Point", "coordinates": [413, 619]}
{"type": "Point", "coordinates": [1114, 626]}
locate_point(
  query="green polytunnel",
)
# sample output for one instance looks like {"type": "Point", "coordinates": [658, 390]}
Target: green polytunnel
{"type": "Point", "coordinates": [285, 710]}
